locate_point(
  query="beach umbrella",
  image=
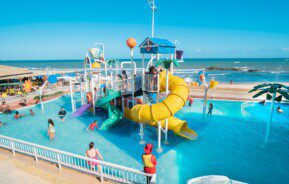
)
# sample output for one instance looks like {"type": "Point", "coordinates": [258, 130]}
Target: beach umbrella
{"type": "Point", "coordinates": [52, 79]}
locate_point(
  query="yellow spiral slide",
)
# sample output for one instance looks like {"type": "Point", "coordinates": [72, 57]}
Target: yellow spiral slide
{"type": "Point", "coordinates": [151, 114]}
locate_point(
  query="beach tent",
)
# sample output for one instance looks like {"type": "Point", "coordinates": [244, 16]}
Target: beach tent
{"type": "Point", "coordinates": [157, 46]}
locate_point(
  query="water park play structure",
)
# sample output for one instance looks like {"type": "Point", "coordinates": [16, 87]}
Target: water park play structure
{"type": "Point", "coordinates": [138, 95]}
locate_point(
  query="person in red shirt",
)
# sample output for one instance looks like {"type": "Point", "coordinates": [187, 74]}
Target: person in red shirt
{"type": "Point", "coordinates": [17, 115]}
{"type": "Point", "coordinates": [149, 161]}
{"type": "Point", "coordinates": [93, 125]}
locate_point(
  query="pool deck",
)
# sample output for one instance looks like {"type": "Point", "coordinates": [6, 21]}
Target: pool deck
{"type": "Point", "coordinates": [19, 168]}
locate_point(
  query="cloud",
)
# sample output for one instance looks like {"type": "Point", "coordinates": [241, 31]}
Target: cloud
{"type": "Point", "coordinates": [285, 48]}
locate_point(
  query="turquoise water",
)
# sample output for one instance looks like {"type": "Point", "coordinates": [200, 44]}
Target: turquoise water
{"type": "Point", "coordinates": [267, 68]}
{"type": "Point", "coordinates": [229, 143]}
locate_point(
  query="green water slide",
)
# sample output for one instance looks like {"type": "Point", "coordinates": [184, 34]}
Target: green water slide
{"type": "Point", "coordinates": [114, 115]}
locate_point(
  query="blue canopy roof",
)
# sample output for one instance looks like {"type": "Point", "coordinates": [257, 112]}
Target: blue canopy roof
{"type": "Point", "coordinates": [157, 46]}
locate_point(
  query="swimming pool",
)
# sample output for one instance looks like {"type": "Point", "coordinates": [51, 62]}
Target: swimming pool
{"type": "Point", "coordinates": [230, 143]}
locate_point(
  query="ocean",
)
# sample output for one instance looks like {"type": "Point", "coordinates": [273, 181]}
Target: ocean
{"type": "Point", "coordinates": [222, 70]}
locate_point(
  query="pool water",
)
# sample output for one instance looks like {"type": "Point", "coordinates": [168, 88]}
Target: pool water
{"type": "Point", "coordinates": [230, 142]}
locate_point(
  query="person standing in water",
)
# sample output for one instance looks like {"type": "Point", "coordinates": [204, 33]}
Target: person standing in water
{"type": "Point", "coordinates": [149, 161]}
{"type": "Point", "coordinates": [31, 112]}
{"type": "Point", "coordinates": [62, 114]}
{"type": "Point", "coordinates": [210, 109]}
{"type": "Point", "coordinates": [94, 154]}
{"type": "Point", "coordinates": [93, 125]}
{"type": "Point", "coordinates": [51, 129]}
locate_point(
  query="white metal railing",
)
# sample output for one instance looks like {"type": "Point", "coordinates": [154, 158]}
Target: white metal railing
{"type": "Point", "coordinates": [108, 170]}
{"type": "Point", "coordinates": [221, 94]}
{"type": "Point", "coordinates": [244, 105]}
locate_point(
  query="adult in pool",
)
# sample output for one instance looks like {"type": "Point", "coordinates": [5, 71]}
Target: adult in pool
{"type": "Point", "coordinates": [51, 129]}
{"type": "Point", "coordinates": [62, 114]}
{"type": "Point", "coordinates": [93, 153]}
{"type": "Point", "coordinates": [210, 109]}
{"type": "Point", "coordinates": [279, 109]}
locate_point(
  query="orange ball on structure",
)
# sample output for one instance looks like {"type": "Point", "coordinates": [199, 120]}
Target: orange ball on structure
{"type": "Point", "coordinates": [131, 42]}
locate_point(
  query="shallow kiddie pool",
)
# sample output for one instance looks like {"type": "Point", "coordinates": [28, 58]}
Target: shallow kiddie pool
{"type": "Point", "coordinates": [230, 142]}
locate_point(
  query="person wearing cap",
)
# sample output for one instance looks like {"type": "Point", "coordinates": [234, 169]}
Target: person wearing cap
{"type": "Point", "coordinates": [149, 161]}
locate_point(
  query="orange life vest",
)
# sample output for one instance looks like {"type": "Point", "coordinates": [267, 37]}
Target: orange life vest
{"type": "Point", "coordinates": [147, 161]}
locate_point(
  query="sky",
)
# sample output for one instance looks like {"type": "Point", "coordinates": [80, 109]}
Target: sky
{"type": "Point", "coordinates": [62, 29]}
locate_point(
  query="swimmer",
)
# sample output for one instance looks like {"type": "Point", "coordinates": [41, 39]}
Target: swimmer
{"type": "Point", "coordinates": [93, 125]}
{"type": "Point", "coordinates": [17, 115]}
{"type": "Point", "coordinates": [31, 112]}
{"type": "Point", "coordinates": [3, 124]}
{"type": "Point", "coordinates": [51, 129]}
{"type": "Point", "coordinates": [62, 114]}
{"type": "Point", "coordinates": [263, 102]}
{"type": "Point", "coordinates": [279, 109]}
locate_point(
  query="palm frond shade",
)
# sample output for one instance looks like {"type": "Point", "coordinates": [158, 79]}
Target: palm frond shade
{"type": "Point", "coordinates": [268, 96]}
{"type": "Point", "coordinates": [261, 93]}
{"type": "Point", "coordinates": [167, 63]}
{"type": "Point", "coordinates": [279, 98]}
{"type": "Point", "coordinates": [271, 88]}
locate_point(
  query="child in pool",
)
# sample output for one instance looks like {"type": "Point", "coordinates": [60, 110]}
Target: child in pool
{"type": "Point", "coordinates": [31, 112]}
{"type": "Point", "coordinates": [94, 154]}
{"type": "Point", "coordinates": [51, 129]}
{"type": "Point", "coordinates": [2, 124]}
{"type": "Point", "coordinates": [279, 109]}
{"type": "Point", "coordinates": [93, 125]}
{"type": "Point", "coordinates": [62, 114]}
{"type": "Point", "coordinates": [210, 109]}
{"type": "Point", "coordinates": [17, 115]}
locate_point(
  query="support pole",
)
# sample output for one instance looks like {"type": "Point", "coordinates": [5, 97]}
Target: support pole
{"type": "Point", "coordinates": [270, 119]}
{"type": "Point", "coordinates": [141, 133]}
{"type": "Point", "coordinates": [132, 76]}
{"type": "Point", "coordinates": [166, 121]}
{"type": "Point", "coordinates": [159, 149]}
{"type": "Point", "coordinates": [71, 95]}
{"type": "Point", "coordinates": [153, 19]}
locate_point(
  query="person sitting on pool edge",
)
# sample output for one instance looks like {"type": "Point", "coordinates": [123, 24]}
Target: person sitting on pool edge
{"type": "Point", "coordinates": [149, 161]}
{"type": "Point", "coordinates": [17, 115]}
{"type": "Point", "coordinates": [5, 108]}
{"type": "Point", "coordinates": [93, 125]}
{"type": "Point", "coordinates": [279, 109]}
{"type": "Point", "coordinates": [62, 114]}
